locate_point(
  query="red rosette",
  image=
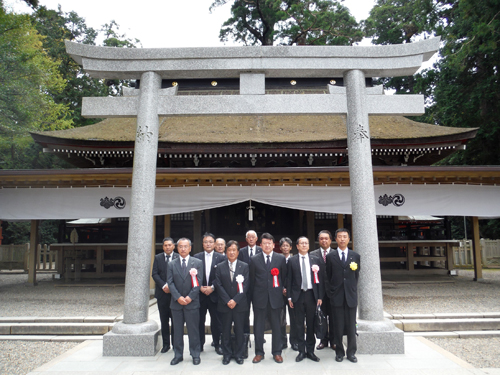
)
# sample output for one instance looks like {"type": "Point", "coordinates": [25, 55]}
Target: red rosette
{"type": "Point", "coordinates": [275, 272]}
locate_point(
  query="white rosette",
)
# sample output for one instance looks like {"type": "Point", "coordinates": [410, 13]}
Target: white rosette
{"type": "Point", "coordinates": [239, 280]}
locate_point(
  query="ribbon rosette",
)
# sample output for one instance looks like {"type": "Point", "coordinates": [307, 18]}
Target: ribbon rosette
{"type": "Point", "coordinates": [354, 266]}
{"type": "Point", "coordinates": [239, 280]}
{"type": "Point", "coordinates": [275, 272]}
{"type": "Point", "coordinates": [194, 280]}
{"type": "Point", "coordinates": [315, 269]}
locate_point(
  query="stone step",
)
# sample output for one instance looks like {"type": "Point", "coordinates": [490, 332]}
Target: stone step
{"type": "Point", "coordinates": [456, 334]}
{"type": "Point", "coordinates": [55, 328]}
{"type": "Point", "coordinates": [444, 315]}
{"type": "Point", "coordinates": [447, 325]}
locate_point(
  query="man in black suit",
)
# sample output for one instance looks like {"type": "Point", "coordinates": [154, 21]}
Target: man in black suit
{"type": "Point", "coordinates": [184, 279]}
{"type": "Point", "coordinates": [305, 290]}
{"type": "Point", "coordinates": [162, 292]}
{"type": "Point", "coordinates": [267, 274]}
{"type": "Point", "coordinates": [325, 240]}
{"type": "Point", "coordinates": [245, 256]}
{"type": "Point", "coordinates": [208, 294]}
{"type": "Point", "coordinates": [342, 269]}
{"type": "Point", "coordinates": [231, 282]}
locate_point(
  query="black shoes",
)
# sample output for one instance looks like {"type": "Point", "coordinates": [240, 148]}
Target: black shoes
{"type": "Point", "coordinates": [300, 357]}
{"type": "Point", "coordinates": [176, 361]}
{"type": "Point", "coordinates": [226, 360]}
{"type": "Point", "coordinates": [312, 357]}
{"type": "Point", "coordinates": [165, 349]}
{"type": "Point", "coordinates": [239, 361]}
{"type": "Point", "coordinates": [353, 359]}
{"type": "Point", "coordinates": [218, 350]}
{"type": "Point", "coordinates": [339, 358]}
{"type": "Point", "coordinates": [295, 347]}
{"type": "Point", "coordinates": [196, 360]}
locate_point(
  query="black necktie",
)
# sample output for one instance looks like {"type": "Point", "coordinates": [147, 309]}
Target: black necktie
{"type": "Point", "coordinates": [251, 252]}
{"type": "Point", "coordinates": [343, 258]}
{"type": "Point", "coordinates": [184, 268]}
{"type": "Point", "coordinates": [167, 259]}
{"type": "Point", "coordinates": [268, 263]}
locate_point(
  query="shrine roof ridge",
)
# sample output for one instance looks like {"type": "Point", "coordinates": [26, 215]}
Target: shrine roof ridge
{"type": "Point", "coordinates": [274, 61]}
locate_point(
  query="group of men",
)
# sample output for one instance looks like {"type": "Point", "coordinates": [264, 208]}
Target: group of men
{"type": "Point", "coordinates": [227, 285]}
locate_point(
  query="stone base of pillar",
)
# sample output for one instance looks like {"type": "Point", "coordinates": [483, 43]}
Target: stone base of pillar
{"type": "Point", "coordinates": [132, 340]}
{"type": "Point", "coordinates": [379, 337]}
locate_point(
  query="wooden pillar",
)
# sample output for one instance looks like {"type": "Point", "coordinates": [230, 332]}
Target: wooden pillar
{"type": "Point", "coordinates": [208, 222]}
{"type": "Point", "coordinates": [166, 226]}
{"type": "Point", "coordinates": [197, 246]}
{"type": "Point", "coordinates": [153, 253]}
{"type": "Point", "coordinates": [478, 265]}
{"type": "Point", "coordinates": [340, 221]}
{"type": "Point", "coordinates": [310, 229]}
{"type": "Point", "coordinates": [33, 260]}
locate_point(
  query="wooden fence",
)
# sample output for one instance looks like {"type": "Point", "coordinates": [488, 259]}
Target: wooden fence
{"type": "Point", "coordinates": [463, 256]}
{"type": "Point", "coordinates": [15, 257]}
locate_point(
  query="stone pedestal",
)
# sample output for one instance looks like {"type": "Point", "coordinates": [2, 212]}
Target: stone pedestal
{"type": "Point", "coordinates": [380, 337]}
{"type": "Point", "coordinates": [134, 340]}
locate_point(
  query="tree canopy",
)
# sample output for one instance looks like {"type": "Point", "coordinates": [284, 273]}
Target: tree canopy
{"type": "Point", "coordinates": [300, 22]}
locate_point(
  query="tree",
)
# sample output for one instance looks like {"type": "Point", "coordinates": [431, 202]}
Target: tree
{"type": "Point", "coordinates": [27, 76]}
{"type": "Point", "coordinates": [289, 22]}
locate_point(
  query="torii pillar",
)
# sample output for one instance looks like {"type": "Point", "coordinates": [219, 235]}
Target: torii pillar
{"type": "Point", "coordinates": [252, 65]}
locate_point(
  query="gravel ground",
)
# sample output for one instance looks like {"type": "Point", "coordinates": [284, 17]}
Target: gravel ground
{"type": "Point", "coordinates": [21, 357]}
{"type": "Point", "coordinates": [48, 299]}
{"type": "Point", "coordinates": [461, 296]}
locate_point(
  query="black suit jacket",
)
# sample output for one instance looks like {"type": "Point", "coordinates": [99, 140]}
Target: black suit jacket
{"type": "Point", "coordinates": [319, 254]}
{"type": "Point", "coordinates": [228, 290]}
{"type": "Point", "coordinates": [181, 286]}
{"type": "Point", "coordinates": [294, 278]}
{"type": "Point", "coordinates": [216, 259]}
{"type": "Point", "coordinates": [159, 273]}
{"type": "Point", "coordinates": [245, 257]}
{"type": "Point", "coordinates": [261, 281]}
{"type": "Point", "coordinates": [343, 280]}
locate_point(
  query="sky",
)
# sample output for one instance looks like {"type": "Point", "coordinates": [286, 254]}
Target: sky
{"type": "Point", "coordinates": [163, 23]}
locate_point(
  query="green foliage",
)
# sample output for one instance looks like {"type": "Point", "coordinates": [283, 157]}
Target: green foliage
{"type": "Point", "coordinates": [301, 22]}
{"type": "Point", "coordinates": [27, 76]}
{"type": "Point", "coordinates": [18, 232]}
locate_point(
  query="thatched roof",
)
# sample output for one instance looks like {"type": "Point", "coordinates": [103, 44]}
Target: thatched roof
{"type": "Point", "coordinates": [256, 129]}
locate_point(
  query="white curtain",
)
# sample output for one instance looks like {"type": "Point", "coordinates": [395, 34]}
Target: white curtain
{"type": "Point", "coordinates": [394, 200]}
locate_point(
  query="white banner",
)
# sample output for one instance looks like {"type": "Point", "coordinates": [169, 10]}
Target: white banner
{"type": "Point", "coordinates": [394, 200]}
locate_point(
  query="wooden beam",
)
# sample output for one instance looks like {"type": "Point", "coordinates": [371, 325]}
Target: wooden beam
{"type": "Point", "coordinates": [478, 264]}
{"type": "Point", "coordinates": [166, 226]}
{"type": "Point", "coordinates": [33, 260]}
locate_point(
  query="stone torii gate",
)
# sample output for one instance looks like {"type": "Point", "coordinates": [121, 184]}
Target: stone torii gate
{"type": "Point", "coordinates": [136, 336]}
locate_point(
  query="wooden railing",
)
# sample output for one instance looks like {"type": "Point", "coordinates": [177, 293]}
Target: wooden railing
{"type": "Point", "coordinates": [15, 257]}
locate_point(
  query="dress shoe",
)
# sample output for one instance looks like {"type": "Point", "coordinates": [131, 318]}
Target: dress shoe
{"type": "Point", "coordinates": [295, 347]}
{"type": "Point", "coordinates": [339, 358]}
{"type": "Point", "coordinates": [225, 360]}
{"type": "Point", "coordinates": [320, 346]}
{"type": "Point", "coordinates": [312, 357]}
{"type": "Point", "coordinates": [300, 357]}
{"type": "Point", "coordinates": [257, 358]}
{"type": "Point", "coordinates": [334, 346]}
{"type": "Point", "coordinates": [353, 359]}
{"type": "Point", "coordinates": [278, 359]}
{"type": "Point", "coordinates": [177, 360]}
{"type": "Point", "coordinates": [239, 361]}
{"type": "Point", "coordinates": [212, 344]}
{"type": "Point", "coordinates": [196, 360]}
{"type": "Point", "coordinates": [165, 349]}
{"type": "Point", "coordinates": [218, 350]}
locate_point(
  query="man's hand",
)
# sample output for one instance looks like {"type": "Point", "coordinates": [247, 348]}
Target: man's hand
{"type": "Point", "coordinates": [182, 301]}
{"type": "Point", "coordinates": [290, 303]}
{"type": "Point", "coordinates": [231, 304]}
{"type": "Point", "coordinates": [319, 302]}
{"type": "Point", "coordinates": [188, 300]}
{"type": "Point", "coordinates": [166, 289]}
{"type": "Point", "coordinates": [284, 291]}
{"type": "Point", "coordinates": [207, 290]}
